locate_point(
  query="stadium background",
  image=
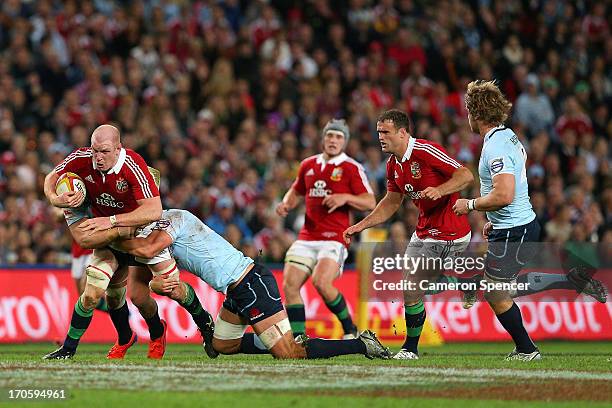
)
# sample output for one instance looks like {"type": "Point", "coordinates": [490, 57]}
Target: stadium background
{"type": "Point", "coordinates": [225, 98]}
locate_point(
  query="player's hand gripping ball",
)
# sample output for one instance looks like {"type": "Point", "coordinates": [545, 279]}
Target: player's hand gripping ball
{"type": "Point", "coordinates": [70, 182]}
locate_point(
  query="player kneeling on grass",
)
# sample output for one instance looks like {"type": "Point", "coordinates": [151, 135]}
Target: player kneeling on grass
{"type": "Point", "coordinates": [252, 295]}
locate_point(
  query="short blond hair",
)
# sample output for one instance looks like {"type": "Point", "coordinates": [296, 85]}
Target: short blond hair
{"type": "Point", "coordinates": [486, 102]}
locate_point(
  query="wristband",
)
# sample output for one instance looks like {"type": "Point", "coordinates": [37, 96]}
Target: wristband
{"type": "Point", "coordinates": [471, 204]}
{"type": "Point", "coordinates": [113, 220]}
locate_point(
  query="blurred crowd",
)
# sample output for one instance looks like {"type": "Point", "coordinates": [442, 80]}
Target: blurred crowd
{"type": "Point", "coordinates": [226, 98]}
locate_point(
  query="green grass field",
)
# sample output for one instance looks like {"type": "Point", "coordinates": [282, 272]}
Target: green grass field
{"type": "Point", "coordinates": [454, 375]}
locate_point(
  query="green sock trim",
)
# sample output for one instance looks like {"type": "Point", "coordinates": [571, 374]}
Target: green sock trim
{"type": "Point", "coordinates": [190, 295]}
{"type": "Point", "coordinates": [343, 314]}
{"type": "Point", "coordinates": [335, 301]}
{"type": "Point", "coordinates": [75, 333]}
{"type": "Point", "coordinates": [415, 309]}
{"type": "Point", "coordinates": [414, 331]}
{"type": "Point", "coordinates": [299, 327]}
{"type": "Point", "coordinates": [81, 311]}
{"type": "Point", "coordinates": [295, 306]}
{"type": "Point", "coordinates": [190, 299]}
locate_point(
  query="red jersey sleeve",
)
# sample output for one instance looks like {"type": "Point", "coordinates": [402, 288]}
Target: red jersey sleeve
{"type": "Point", "coordinates": [391, 184]}
{"type": "Point", "coordinates": [74, 161]}
{"type": "Point", "coordinates": [437, 158]}
{"type": "Point", "coordinates": [141, 181]}
{"type": "Point", "coordinates": [359, 181]}
{"type": "Point", "coordinates": [299, 185]}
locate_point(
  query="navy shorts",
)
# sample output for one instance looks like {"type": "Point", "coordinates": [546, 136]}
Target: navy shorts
{"type": "Point", "coordinates": [510, 249]}
{"type": "Point", "coordinates": [256, 297]}
{"type": "Point", "coordinates": [124, 258]}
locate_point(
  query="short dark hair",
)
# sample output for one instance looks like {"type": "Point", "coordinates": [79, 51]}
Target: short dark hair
{"type": "Point", "coordinates": [399, 118]}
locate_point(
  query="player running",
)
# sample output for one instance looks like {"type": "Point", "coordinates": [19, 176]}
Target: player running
{"type": "Point", "coordinates": [122, 192]}
{"type": "Point", "coordinates": [332, 184]}
{"type": "Point", "coordinates": [424, 172]}
{"type": "Point", "coordinates": [252, 295]}
{"type": "Point", "coordinates": [512, 225]}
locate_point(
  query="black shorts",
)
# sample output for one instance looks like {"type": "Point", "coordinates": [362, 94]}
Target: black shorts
{"type": "Point", "coordinates": [124, 259]}
{"type": "Point", "coordinates": [256, 297]}
{"type": "Point", "coordinates": [510, 249]}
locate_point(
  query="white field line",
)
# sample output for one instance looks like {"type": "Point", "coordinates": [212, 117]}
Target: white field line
{"type": "Point", "coordinates": [240, 376]}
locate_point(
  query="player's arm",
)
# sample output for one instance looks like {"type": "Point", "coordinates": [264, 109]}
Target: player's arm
{"type": "Point", "coordinates": [65, 200]}
{"type": "Point", "coordinates": [146, 247]}
{"type": "Point", "coordinates": [500, 196]}
{"type": "Point", "coordinates": [289, 202]}
{"type": "Point", "coordinates": [460, 179]}
{"type": "Point", "coordinates": [360, 202]}
{"type": "Point", "coordinates": [98, 239]}
{"type": "Point", "coordinates": [390, 203]}
{"type": "Point", "coordinates": [149, 210]}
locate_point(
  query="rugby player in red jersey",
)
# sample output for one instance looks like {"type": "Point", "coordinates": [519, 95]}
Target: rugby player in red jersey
{"type": "Point", "coordinates": [332, 184]}
{"type": "Point", "coordinates": [121, 192]}
{"type": "Point", "coordinates": [424, 172]}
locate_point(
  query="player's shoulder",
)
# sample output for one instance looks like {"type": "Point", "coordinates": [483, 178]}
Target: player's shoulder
{"type": "Point", "coordinates": [311, 160]}
{"type": "Point", "coordinates": [81, 152]}
{"type": "Point", "coordinates": [84, 150]}
{"type": "Point", "coordinates": [133, 154]}
{"type": "Point", "coordinates": [501, 140]}
{"type": "Point", "coordinates": [427, 147]}
{"type": "Point", "coordinates": [391, 160]}
{"type": "Point", "coordinates": [351, 163]}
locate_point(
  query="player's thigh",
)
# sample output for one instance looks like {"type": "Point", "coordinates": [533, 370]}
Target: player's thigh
{"type": "Point", "coordinates": [300, 260]}
{"type": "Point", "coordinates": [275, 333]}
{"type": "Point", "coordinates": [331, 256]}
{"type": "Point", "coordinates": [138, 282]}
{"type": "Point", "coordinates": [509, 251]}
{"type": "Point", "coordinates": [326, 271]}
{"type": "Point", "coordinates": [293, 278]}
{"type": "Point", "coordinates": [256, 297]}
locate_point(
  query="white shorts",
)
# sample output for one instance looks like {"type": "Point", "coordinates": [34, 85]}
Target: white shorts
{"type": "Point", "coordinates": [435, 248]}
{"type": "Point", "coordinates": [306, 254]}
{"type": "Point", "coordinates": [78, 265]}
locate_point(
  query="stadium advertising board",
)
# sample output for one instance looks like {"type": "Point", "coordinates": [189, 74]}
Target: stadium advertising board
{"type": "Point", "coordinates": [36, 304]}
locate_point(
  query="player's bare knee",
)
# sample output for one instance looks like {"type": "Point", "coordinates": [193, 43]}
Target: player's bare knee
{"type": "Point", "coordinates": [89, 300]}
{"type": "Point", "coordinates": [115, 296]}
{"type": "Point", "coordinates": [325, 288]}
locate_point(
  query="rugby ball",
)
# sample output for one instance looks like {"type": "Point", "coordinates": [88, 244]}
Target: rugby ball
{"type": "Point", "coordinates": [70, 182]}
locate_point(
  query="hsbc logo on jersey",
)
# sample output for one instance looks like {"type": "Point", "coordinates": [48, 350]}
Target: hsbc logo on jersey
{"type": "Point", "coordinates": [108, 200]}
{"type": "Point", "coordinates": [319, 189]}
{"type": "Point", "coordinates": [413, 195]}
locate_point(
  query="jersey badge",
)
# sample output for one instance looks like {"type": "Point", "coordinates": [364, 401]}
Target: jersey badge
{"type": "Point", "coordinates": [496, 165]}
{"type": "Point", "coordinates": [122, 185]}
{"type": "Point", "coordinates": [415, 169]}
{"type": "Point", "coordinates": [336, 174]}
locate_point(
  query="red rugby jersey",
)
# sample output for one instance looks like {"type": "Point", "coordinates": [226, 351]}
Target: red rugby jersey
{"type": "Point", "coordinates": [317, 179]}
{"type": "Point", "coordinates": [426, 164]}
{"type": "Point", "coordinates": [117, 190]}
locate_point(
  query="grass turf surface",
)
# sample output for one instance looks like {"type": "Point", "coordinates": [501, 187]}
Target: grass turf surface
{"type": "Point", "coordinates": [471, 375]}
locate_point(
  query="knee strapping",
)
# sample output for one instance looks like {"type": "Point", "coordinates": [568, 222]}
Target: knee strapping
{"type": "Point", "coordinates": [275, 333]}
{"type": "Point", "coordinates": [171, 271]}
{"type": "Point", "coordinates": [301, 262]}
{"type": "Point", "coordinates": [228, 331]}
{"type": "Point", "coordinates": [99, 272]}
